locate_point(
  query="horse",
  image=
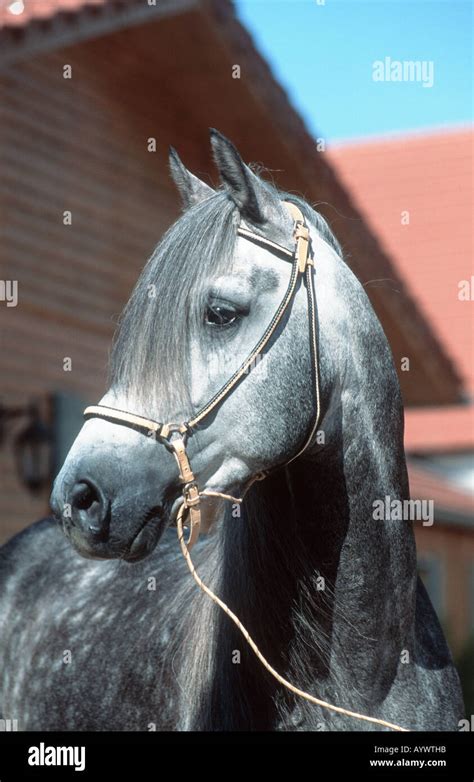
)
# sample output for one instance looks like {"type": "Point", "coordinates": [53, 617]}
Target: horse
{"type": "Point", "coordinates": [103, 629]}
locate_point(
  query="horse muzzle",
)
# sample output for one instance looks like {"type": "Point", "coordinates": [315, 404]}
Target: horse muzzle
{"type": "Point", "coordinates": [99, 529]}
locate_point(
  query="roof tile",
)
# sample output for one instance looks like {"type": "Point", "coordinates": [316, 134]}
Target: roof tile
{"type": "Point", "coordinates": [18, 13]}
{"type": "Point", "coordinates": [430, 177]}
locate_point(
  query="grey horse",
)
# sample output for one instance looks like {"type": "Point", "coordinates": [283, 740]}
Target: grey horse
{"type": "Point", "coordinates": [100, 629]}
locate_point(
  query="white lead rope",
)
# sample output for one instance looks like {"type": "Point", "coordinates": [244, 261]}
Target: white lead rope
{"type": "Point", "coordinates": [187, 556]}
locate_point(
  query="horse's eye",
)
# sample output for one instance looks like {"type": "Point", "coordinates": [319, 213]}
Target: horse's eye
{"type": "Point", "coordinates": [220, 314]}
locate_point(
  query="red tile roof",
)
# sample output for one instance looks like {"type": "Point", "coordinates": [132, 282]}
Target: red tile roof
{"type": "Point", "coordinates": [439, 429]}
{"type": "Point", "coordinates": [17, 13]}
{"type": "Point", "coordinates": [429, 176]}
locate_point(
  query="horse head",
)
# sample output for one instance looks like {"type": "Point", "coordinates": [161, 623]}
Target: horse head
{"type": "Point", "coordinates": [221, 337]}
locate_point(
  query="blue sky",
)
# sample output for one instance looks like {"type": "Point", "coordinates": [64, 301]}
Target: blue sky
{"type": "Point", "coordinates": [323, 56]}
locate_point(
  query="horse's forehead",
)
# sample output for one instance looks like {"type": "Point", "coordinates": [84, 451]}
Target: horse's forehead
{"type": "Point", "coordinates": [253, 265]}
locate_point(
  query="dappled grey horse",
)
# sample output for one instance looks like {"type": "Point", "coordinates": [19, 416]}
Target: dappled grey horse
{"type": "Point", "coordinates": [99, 629]}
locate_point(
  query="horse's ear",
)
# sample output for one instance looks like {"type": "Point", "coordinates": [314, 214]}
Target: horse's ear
{"type": "Point", "coordinates": [249, 193]}
{"type": "Point", "coordinates": [191, 189]}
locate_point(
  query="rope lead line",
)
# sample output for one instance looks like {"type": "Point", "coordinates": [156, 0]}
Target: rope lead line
{"type": "Point", "coordinates": [187, 556]}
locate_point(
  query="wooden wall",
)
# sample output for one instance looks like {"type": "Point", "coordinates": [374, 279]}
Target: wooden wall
{"type": "Point", "coordinates": [70, 145]}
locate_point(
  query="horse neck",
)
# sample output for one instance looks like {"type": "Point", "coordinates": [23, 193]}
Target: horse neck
{"type": "Point", "coordinates": [326, 591]}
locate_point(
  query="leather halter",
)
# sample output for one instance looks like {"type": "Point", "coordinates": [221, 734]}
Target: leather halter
{"type": "Point", "coordinates": [174, 436]}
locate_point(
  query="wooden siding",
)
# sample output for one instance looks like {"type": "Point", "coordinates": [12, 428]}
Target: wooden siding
{"type": "Point", "coordinates": [66, 145]}
{"type": "Point", "coordinates": [453, 548]}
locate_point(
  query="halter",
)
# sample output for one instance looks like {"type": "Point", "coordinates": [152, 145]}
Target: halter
{"type": "Point", "coordinates": [175, 436]}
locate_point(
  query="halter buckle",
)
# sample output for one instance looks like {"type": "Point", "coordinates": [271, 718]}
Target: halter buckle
{"type": "Point", "coordinates": [301, 234]}
{"type": "Point", "coordinates": [191, 494]}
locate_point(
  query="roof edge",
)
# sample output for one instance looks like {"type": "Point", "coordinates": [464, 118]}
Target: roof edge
{"type": "Point", "coordinates": [396, 136]}
{"type": "Point", "coordinates": [68, 27]}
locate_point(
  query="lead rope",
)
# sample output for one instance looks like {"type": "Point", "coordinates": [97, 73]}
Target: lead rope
{"type": "Point", "coordinates": [215, 599]}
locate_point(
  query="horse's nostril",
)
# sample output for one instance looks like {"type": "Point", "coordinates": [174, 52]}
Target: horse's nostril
{"type": "Point", "coordinates": [91, 510]}
{"type": "Point", "coordinates": [84, 495]}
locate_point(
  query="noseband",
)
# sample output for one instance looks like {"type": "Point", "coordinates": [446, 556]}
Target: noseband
{"type": "Point", "coordinates": [175, 436]}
